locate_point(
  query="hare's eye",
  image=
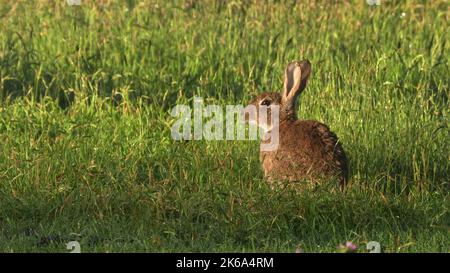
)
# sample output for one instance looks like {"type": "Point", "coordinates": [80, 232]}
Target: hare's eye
{"type": "Point", "coordinates": [265, 102]}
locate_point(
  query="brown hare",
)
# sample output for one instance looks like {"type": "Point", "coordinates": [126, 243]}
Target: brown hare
{"type": "Point", "coordinates": [307, 149]}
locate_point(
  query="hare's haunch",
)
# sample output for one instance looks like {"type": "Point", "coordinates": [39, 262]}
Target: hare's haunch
{"type": "Point", "coordinates": [307, 149]}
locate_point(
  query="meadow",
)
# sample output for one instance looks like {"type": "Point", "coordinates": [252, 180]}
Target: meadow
{"type": "Point", "coordinates": [86, 152]}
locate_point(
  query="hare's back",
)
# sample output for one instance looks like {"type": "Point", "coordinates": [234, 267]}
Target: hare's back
{"type": "Point", "coordinates": [307, 134]}
{"type": "Point", "coordinates": [314, 142]}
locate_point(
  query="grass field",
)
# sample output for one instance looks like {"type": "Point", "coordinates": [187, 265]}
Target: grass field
{"type": "Point", "coordinates": [86, 152]}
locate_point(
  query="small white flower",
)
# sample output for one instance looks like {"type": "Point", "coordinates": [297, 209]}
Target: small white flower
{"type": "Point", "coordinates": [402, 15]}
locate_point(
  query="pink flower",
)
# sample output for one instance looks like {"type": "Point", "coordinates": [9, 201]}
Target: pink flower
{"type": "Point", "coordinates": [348, 247]}
{"type": "Point", "coordinates": [351, 246]}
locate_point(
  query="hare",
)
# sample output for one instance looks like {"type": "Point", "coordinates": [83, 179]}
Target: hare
{"type": "Point", "coordinates": [307, 149]}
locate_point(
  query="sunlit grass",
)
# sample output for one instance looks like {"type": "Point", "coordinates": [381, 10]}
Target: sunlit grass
{"type": "Point", "coordinates": [86, 152]}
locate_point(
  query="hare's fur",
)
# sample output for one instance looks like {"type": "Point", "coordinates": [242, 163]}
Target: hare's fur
{"type": "Point", "coordinates": [307, 149]}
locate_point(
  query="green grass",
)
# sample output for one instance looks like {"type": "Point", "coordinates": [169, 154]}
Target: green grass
{"type": "Point", "coordinates": [86, 152]}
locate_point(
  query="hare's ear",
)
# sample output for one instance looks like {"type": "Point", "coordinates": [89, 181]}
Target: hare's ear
{"type": "Point", "coordinates": [295, 78]}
